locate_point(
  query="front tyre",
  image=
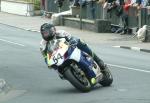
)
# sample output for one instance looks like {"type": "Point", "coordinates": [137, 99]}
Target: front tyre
{"type": "Point", "coordinates": [78, 81]}
{"type": "Point", "coordinates": [107, 78]}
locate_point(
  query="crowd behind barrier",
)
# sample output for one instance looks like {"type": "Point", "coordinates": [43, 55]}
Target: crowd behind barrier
{"type": "Point", "coordinates": [53, 6]}
{"type": "Point", "coordinates": [94, 10]}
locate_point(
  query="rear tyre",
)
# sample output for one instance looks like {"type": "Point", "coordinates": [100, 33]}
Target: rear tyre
{"type": "Point", "coordinates": [78, 81]}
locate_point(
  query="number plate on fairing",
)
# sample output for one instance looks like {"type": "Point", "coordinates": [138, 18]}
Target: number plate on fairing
{"type": "Point", "coordinates": [57, 56]}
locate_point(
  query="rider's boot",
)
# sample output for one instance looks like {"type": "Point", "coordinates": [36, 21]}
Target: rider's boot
{"type": "Point", "coordinates": [99, 62]}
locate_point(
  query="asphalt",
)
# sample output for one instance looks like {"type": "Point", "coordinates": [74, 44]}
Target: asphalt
{"type": "Point", "coordinates": [115, 40]}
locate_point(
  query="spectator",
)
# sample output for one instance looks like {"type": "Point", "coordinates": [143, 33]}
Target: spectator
{"type": "Point", "coordinates": [148, 3]}
{"type": "Point", "coordinates": [43, 8]}
{"type": "Point", "coordinates": [60, 3]}
{"type": "Point", "coordinates": [43, 4]}
{"type": "Point", "coordinates": [122, 8]}
{"type": "Point", "coordinates": [108, 5]}
{"type": "Point", "coordinates": [93, 8]}
{"type": "Point", "coordinates": [142, 3]}
{"type": "Point", "coordinates": [124, 15]}
{"type": "Point", "coordinates": [78, 2]}
{"type": "Point", "coordinates": [133, 2]}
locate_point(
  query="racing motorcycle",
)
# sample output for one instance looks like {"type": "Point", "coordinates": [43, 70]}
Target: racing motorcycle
{"type": "Point", "coordinates": [72, 64]}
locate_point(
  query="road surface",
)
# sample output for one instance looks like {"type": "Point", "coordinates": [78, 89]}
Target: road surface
{"type": "Point", "coordinates": [30, 81]}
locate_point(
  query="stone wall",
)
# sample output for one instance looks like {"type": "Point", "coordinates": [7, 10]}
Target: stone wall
{"type": "Point", "coordinates": [98, 25]}
{"type": "Point", "coordinates": [17, 7]}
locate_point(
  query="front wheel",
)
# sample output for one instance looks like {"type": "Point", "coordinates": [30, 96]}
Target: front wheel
{"type": "Point", "coordinates": [77, 80]}
{"type": "Point", "coordinates": [107, 78]}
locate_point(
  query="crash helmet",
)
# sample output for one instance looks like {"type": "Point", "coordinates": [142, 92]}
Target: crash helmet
{"type": "Point", "coordinates": [47, 31]}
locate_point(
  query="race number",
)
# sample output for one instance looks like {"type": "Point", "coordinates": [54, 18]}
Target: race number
{"type": "Point", "coordinates": [56, 58]}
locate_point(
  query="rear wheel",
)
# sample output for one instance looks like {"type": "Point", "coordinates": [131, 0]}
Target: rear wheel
{"type": "Point", "coordinates": [77, 79]}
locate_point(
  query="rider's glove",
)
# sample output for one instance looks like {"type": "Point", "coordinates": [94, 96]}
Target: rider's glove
{"type": "Point", "coordinates": [73, 41]}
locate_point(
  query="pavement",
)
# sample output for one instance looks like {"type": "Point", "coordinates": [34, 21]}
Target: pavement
{"type": "Point", "coordinates": [115, 40]}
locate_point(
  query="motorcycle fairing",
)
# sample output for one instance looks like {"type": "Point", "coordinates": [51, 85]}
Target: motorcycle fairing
{"type": "Point", "coordinates": [56, 55]}
{"type": "Point", "coordinates": [75, 54]}
{"type": "Point", "coordinates": [80, 57]}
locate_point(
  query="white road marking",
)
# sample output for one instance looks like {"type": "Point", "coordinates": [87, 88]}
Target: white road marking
{"type": "Point", "coordinates": [116, 46]}
{"type": "Point", "coordinates": [139, 70]}
{"type": "Point", "coordinates": [135, 48]}
{"type": "Point", "coordinates": [11, 42]}
{"type": "Point", "coordinates": [119, 66]}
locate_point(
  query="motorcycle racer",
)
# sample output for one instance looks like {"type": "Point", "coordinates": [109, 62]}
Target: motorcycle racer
{"type": "Point", "coordinates": [49, 32]}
